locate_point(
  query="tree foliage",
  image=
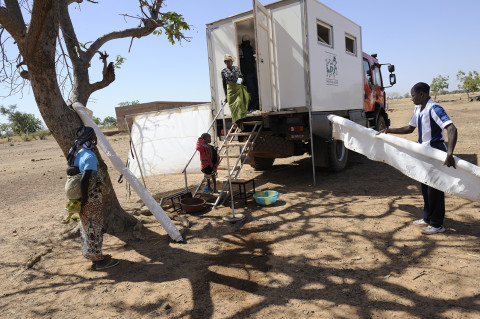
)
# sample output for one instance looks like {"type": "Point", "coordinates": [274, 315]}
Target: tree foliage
{"type": "Point", "coordinates": [109, 121]}
{"type": "Point", "coordinates": [439, 85]}
{"type": "Point", "coordinates": [468, 82]}
{"type": "Point", "coordinates": [5, 129]}
{"type": "Point", "coordinates": [21, 122]}
{"type": "Point", "coordinates": [40, 47]}
{"type": "Point", "coordinates": [126, 103]}
{"type": "Point", "coordinates": [97, 120]}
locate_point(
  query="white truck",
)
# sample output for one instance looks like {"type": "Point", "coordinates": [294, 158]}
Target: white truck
{"type": "Point", "coordinates": [309, 64]}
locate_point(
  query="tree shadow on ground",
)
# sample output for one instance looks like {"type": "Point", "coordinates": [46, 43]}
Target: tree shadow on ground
{"type": "Point", "coordinates": [334, 280]}
{"type": "Point", "coordinates": [248, 260]}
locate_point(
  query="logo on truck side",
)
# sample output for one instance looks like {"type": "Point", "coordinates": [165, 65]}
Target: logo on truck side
{"type": "Point", "coordinates": [331, 67]}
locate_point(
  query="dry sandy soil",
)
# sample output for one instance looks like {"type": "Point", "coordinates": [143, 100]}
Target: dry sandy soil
{"type": "Point", "coordinates": [345, 248]}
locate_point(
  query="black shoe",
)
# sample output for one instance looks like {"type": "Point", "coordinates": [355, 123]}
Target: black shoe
{"type": "Point", "coordinates": [106, 262]}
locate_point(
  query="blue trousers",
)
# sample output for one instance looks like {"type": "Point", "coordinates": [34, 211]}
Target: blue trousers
{"type": "Point", "coordinates": [433, 199]}
{"type": "Point", "coordinates": [434, 206]}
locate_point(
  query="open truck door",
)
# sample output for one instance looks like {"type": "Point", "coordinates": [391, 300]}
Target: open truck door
{"type": "Point", "coordinates": [264, 47]}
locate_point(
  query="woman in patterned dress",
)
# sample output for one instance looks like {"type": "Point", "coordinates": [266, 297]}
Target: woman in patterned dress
{"type": "Point", "coordinates": [236, 94]}
{"type": "Point", "coordinates": [81, 155]}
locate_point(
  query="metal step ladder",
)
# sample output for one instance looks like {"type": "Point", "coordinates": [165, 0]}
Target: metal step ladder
{"type": "Point", "coordinates": [237, 144]}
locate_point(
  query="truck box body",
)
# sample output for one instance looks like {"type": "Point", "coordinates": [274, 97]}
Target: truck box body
{"type": "Point", "coordinates": [309, 64]}
{"type": "Point", "coordinates": [295, 68]}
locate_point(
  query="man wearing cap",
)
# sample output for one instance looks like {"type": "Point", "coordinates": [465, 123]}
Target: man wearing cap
{"type": "Point", "coordinates": [249, 70]}
{"type": "Point", "coordinates": [236, 94]}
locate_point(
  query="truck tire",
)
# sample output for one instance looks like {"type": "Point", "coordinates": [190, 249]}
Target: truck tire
{"type": "Point", "coordinates": [380, 123]}
{"type": "Point", "coordinates": [262, 163]}
{"type": "Point", "coordinates": [337, 155]}
{"type": "Point", "coordinates": [269, 146]}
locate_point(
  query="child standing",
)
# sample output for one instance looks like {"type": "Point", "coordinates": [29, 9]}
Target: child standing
{"type": "Point", "coordinates": [208, 159]}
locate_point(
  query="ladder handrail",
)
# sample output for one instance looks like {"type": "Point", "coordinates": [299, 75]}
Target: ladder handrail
{"type": "Point", "coordinates": [247, 145]}
{"type": "Point", "coordinates": [225, 142]}
{"type": "Point", "coordinates": [243, 153]}
{"type": "Point", "coordinates": [247, 148]}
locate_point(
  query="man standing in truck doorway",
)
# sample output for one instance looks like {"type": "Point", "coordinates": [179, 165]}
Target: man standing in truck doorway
{"type": "Point", "coordinates": [249, 70]}
{"type": "Point", "coordinates": [431, 119]}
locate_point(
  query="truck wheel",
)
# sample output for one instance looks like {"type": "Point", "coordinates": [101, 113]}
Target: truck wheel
{"type": "Point", "coordinates": [380, 123]}
{"type": "Point", "coordinates": [262, 163]}
{"type": "Point", "coordinates": [337, 155]}
{"type": "Point", "coordinates": [269, 146]}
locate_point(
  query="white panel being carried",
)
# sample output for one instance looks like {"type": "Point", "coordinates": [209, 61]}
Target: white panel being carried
{"type": "Point", "coordinates": [420, 162]}
{"type": "Point", "coordinates": [164, 142]}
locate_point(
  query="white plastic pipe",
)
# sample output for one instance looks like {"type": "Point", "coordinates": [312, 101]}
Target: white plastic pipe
{"type": "Point", "coordinates": [420, 162]}
{"type": "Point", "coordinates": [145, 196]}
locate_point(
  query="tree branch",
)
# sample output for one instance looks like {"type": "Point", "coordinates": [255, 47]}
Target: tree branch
{"type": "Point", "coordinates": [12, 24]}
{"type": "Point", "coordinates": [41, 13]}
{"type": "Point", "coordinates": [64, 56]}
{"type": "Point", "coordinates": [150, 23]}
{"type": "Point", "coordinates": [108, 74]}
{"type": "Point", "coordinates": [69, 34]}
{"type": "Point", "coordinates": [69, 2]}
{"type": "Point", "coordinates": [127, 33]}
{"type": "Point", "coordinates": [13, 7]}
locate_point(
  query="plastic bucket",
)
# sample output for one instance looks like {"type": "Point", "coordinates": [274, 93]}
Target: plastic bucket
{"type": "Point", "coordinates": [266, 197]}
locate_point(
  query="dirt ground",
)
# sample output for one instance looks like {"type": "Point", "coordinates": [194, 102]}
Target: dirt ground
{"type": "Point", "coordinates": [345, 248]}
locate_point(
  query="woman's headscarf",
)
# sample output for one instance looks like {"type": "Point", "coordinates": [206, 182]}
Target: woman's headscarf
{"type": "Point", "coordinates": [83, 137]}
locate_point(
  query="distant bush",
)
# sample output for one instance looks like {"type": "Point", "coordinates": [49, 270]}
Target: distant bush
{"type": "Point", "coordinates": [21, 122]}
{"type": "Point", "coordinates": [28, 137]}
{"type": "Point", "coordinates": [110, 121]}
{"type": "Point", "coordinates": [42, 134]}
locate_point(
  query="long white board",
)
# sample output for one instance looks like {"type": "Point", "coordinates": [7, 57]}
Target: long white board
{"type": "Point", "coordinates": [422, 163]}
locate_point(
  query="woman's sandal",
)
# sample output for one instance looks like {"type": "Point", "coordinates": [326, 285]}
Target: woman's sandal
{"type": "Point", "coordinates": [70, 216]}
{"type": "Point", "coordinates": [106, 262]}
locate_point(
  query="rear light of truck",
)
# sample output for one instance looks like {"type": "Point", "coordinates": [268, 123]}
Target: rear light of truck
{"type": "Point", "coordinates": [298, 128]}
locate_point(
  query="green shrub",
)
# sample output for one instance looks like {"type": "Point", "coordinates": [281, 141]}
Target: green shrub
{"type": "Point", "coordinates": [27, 137]}
{"type": "Point", "coordinates": [42, 134]}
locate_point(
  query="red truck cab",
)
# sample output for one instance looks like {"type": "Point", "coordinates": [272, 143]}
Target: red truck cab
{"type": "Point", "coordinates": [374, 91]}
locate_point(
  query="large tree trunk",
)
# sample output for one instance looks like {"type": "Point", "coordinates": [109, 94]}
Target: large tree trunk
{"type": "Point", "coordinates": [37, 42]}
{"type": "Point", "coordinates": [63, 121]}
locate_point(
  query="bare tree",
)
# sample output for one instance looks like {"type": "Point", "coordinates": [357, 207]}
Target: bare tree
{"type": "Point", "coordinates": [44, 35]}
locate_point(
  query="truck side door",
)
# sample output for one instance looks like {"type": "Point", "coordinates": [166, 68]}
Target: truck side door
{"type": "Point", "coordinates": [264, 60]}
{"type": "Point", "coordinates": [369, 87]}
{"type": "Point", "coordinates": [377, 74]}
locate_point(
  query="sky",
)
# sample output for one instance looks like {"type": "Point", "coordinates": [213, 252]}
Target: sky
{"type": "Point", "coordinates": [423, 39]}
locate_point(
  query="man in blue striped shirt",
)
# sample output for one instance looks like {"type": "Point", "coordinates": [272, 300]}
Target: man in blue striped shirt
{"type": "Point", "coordinates": [430, 119]}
